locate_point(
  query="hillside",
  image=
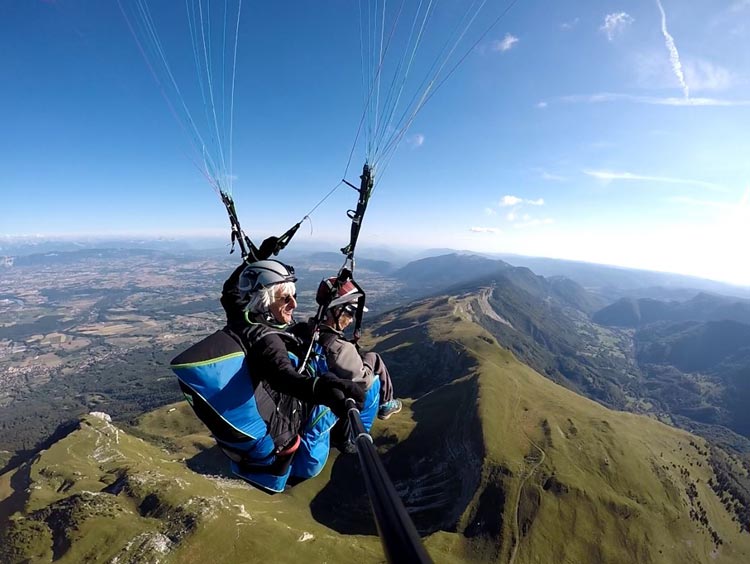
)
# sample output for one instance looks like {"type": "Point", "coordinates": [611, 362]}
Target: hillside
{"type": "Point", "coordinates": [694, 357]}
{"type": "Point", "coordinates": [629, 312]}
{"type": "Point", "coordinates": [434, 274]}
{"type": "Point", "coordinates": [495, 463]}
{"type": "Point", "coordinates": [549, 332]}
{"type": "Point", "coordinates": [449, 272]}
{"type": "Point", "coordinates": [694, 346]}
{"type": "Point", "coordinates": [616, 282]}
{"type": "Point", "coordinates": [645, 356]}
{"type": "Point", "coordinates": [702, 368]}
{"type": "Point", "coordinates": [629, 482]}
{"type": "Point", "coordinates": [103, 494]}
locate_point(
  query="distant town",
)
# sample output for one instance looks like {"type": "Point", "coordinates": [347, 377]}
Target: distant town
{"type": "Point", "coordinates": [62, 316]}
{"type": "Point", "coordinates": [62, 313]}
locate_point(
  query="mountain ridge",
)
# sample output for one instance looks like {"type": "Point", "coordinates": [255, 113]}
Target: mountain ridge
{"type": "Point", "coordinates": [545, 474]}
{"type": "Point", "coordinates": [630, 312]}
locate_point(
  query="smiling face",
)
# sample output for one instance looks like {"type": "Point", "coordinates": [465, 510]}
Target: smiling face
{"type": "Point", "coordinates": [283, 304]}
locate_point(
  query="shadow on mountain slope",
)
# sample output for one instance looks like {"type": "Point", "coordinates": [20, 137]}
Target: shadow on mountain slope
{"type": "Point", "coordinates": [211, 462]}
{"type": "Point", "coordinates": [435, 469]}
{"type": "Point", "coordinates": [418, 364]}
{"type": "Point", "coordinates": [62, 430]}
{"type": "Point", "coordinates": [19, 483]}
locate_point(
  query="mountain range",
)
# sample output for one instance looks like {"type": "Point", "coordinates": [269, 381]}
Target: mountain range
{"type": "Point", "coordinates": [629, 312]}
{"type": "Point", "coordinates": [494, 462]}
{"type": "Point", "coordinates": [513, 445]}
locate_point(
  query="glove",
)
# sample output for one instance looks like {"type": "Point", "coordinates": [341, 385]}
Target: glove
{"type": "Point", "coordinates": [231, 299]}
{"type": "Point", "coordinates": [332, 391]}
{"type": "Point", "coordinates": [268, 248]}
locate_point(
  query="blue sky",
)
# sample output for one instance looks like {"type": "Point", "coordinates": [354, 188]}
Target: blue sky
{"type": "Point", "coordinates": [612, 132]}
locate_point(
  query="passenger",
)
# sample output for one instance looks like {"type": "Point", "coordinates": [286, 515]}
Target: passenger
{"type": "Point", "coordinates": [243, 382]}
{"type": "Point", "coordinates": [269, 290]}
{"type": "Point", "coordinates": [344, 358]}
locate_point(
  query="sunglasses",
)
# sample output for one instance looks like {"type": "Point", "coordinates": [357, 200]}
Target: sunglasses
{"type": "Point", "coordinates": [288, 298]}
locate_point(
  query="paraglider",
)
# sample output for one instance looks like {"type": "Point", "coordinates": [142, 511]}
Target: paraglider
{"type": "Point", "coordinates": [270, 420]}
{"type": "Point", "coordinates": [269, 426]}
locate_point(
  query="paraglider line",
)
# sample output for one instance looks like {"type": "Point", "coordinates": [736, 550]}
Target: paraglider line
{"type": "Point", "coordinates": [369, 99]}
{"type": "Point", "coordinates": [417, 42]}
{"type": "Point", "coordinates": [474, 45]}
{"type": "Point", "coordinates": [426, 94]}
{"type": "Point", "coordinates": [331, 191]}
{"type": "Point", "coordinates": [231, 102]}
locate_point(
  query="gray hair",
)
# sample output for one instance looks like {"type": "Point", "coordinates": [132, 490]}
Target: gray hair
{"type": "Point", "coordinates": [260, 300]}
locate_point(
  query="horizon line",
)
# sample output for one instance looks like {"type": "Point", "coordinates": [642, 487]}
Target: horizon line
{"type": "Point", "coordinates": [210, 234]}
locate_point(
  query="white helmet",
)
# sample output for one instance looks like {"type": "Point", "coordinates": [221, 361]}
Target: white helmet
{"type": "Point", "coordinates": [333, 293]}
{"type": "Point", "coordinates": [264, 273]}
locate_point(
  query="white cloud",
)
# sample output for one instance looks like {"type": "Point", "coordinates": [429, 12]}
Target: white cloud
{"type": "Point", "coordinates": [510, 201]}
{"type": "Point", "coordinates": [693, 244]}
{"type": "Point", "coordinates": [570, 25]}
{"type": "Point", "coordinates": [732, 21]}
{"type": "Point", "coordinates": [653, 100]}
{"type": "Point", "coordinates": [541, 105]}
{"type": "Point", "coordinates": [687, 200]}
{"type": "Point", "coordinates": [674, 56]}
{"type": "Point", "coordinates": [489, 211]}
{"type": "Point", "coordinates": [610, 176]}
{"type": "Point", "coordinates": [493, 230]}
{"type": "Point", "coordinates": [416, 140]}
{"type": "Point", "coordinates": [704, 75]}
{"type": "Point", "coordinates": [534, 223]}
{"type": "Point", "coordinates": [516, 204]}
{"type": "Point", "coordinates": [504, 44]}
{"type": "Point", "coordinates": [615, 24]}
{"type": "Point", "coordinates": [553, 177]}
{"type": "Point", "coordinates": [654, 71]}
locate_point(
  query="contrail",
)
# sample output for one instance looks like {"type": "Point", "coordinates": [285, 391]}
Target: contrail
{"type": "Point", "coordinates": [674, 56]}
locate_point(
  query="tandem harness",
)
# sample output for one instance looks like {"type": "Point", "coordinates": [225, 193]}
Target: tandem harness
{"type": "Point", "coordinates": [266, 435]}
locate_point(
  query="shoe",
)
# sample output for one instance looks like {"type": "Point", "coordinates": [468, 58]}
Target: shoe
{"type": "Point", "coordinates": [346, 447]}
{"type": "Point", "coordinates": [389, 408]}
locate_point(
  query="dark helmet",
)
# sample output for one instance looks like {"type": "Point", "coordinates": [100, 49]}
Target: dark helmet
{"type": "Point", "coordinates": [264, 273]}
{"type": "Point", "coordinates": [346, 293]}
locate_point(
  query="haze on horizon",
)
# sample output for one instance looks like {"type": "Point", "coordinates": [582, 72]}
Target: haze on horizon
{"type": "Point", "coordinates": [219, 239]}
{"type": "Point", "coordinates": [595, 131]}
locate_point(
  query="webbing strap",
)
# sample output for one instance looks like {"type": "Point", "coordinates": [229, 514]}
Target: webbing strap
{"type": "Point", "coordinates": [365, 191]}
{"type": "Point", "coordinates": [250, 253]}
{"type": "Point", "coordinates": [248, 250]}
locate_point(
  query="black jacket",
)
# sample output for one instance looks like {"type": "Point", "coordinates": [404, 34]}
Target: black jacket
{"type": "Point", "coordinates": [284, 397]}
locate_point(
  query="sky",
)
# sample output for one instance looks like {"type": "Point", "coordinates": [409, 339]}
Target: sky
{"type": "Point", "coordinates": [604, 131]}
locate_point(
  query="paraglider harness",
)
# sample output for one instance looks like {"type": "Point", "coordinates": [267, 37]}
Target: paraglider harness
{"type": "Point", "coordinates": [251, 253]}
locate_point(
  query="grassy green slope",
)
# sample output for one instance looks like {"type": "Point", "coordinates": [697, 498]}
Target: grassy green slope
{"type": "Point", "coordinates": [102, 494]}
{"type": "Point", "coordinates": [588, 484]}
